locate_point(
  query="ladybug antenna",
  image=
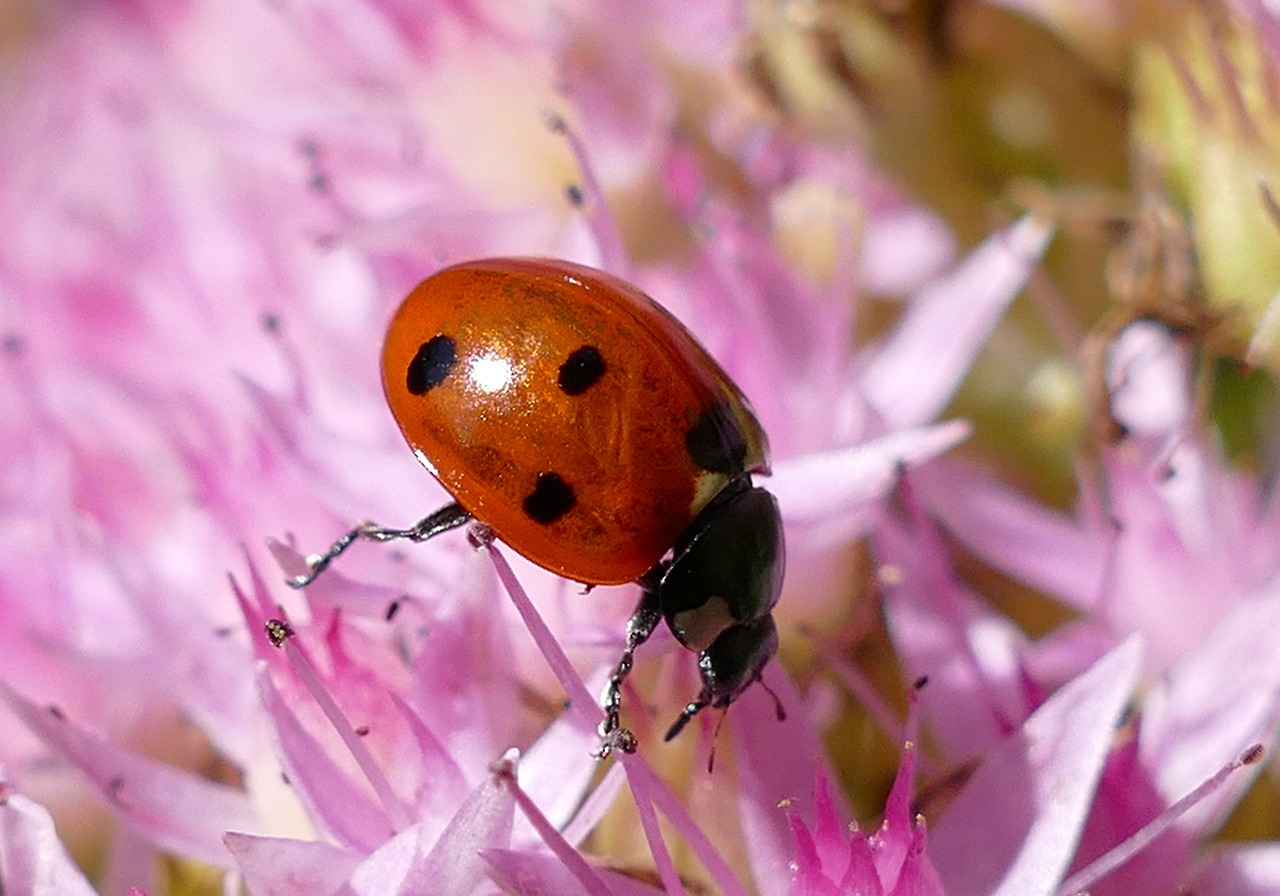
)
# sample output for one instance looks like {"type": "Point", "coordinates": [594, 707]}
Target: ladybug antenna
{"type": "Point", "coordinates": [779, 710]}
{"type": "Point", "coordinates": [451, 516]}
{"type": "Point", "coordinates": [715, 736]}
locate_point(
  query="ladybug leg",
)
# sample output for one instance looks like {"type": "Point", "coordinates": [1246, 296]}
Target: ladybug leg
{"type": "Point", "coordinates": [645, 618]}
{"type": "Point", "coordinates": [451, 516]}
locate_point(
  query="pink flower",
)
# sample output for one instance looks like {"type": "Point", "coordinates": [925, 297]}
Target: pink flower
{"type": "Point", "coordinates": [207, 255]}
{"type": "Point", "coordinates": [1179, 552]}
{"type": "Point", "coordinates": [34, 859]}
{"type": "Point", "coordinates": [210, 211]}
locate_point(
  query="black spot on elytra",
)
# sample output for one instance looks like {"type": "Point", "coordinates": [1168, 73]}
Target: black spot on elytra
{"type": "Point", "coordinates": [550, 499]}
{"type": "Point", "coordinates": [715, 441]}
{"type": "Point", "coordinates": [431, 365]}
{"type": "Point", "coordinates": [581, 370]}
{"type": "Point", "coordinates": [574, 194]}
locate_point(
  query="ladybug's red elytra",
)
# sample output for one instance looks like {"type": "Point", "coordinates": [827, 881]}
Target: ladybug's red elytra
{"type": "Point", "coordinates": [585, 426]}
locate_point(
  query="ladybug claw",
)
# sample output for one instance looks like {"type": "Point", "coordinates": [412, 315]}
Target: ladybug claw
{"type": "Point", "coordinates": [620, 739]}
{"type": "Point", "coordinates": [480, 535]}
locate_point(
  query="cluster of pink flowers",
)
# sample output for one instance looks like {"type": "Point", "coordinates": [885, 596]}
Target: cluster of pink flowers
{"type": "Point", "coordinates": [209, 211]}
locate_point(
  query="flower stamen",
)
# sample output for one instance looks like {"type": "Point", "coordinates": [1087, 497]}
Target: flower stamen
{"type": "Point", "coordinates": [1080, 882]}
{"type": "Point", "coordinates": [280, 633]}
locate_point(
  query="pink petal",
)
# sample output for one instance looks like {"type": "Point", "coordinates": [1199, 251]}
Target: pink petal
{"type": "Point", "coordinates": [917, 369]}
{"type": "Point", "coordinates": [1208, 707]}
{"type": "Point", "coordinates": [576, 864]}
{"type": "Point", "coordinates": [1185, 549]}
{"type": "Point", "coordinates": [383, 872]}
{"type": "Point", "coordinates": [33, 861]}
{"type": "Point", "coordinates": [176, 810]}
{"type": "Point", "coordinates": [333, 800]}
{"type": "Point", "coordinates": [462, 675]}
{"type": "Point", "coordinates": [904, 245]}
{"type": "Point", "coordinates": [1246, 869]}
{"type": "Point", "coordinates": [273, 866]}
{"type": "Point", "coordinates": [596, 805]}
{"type": "Point", "coordinates": [652, 793]}
{"type": "Point", "coordinates": [528, 873]}
{"type": "Point", "coordinates": [894, 840]}
{"type": "Point", "coordinates": [830, 497]}
{"type": "Point", "coordinates": [807, 874]}
{"type": "Point", "coordinates": [1013, 830]}
{"type": "Point", "coordinates": [777, 762]}
{"type": "Point", "coordinates": [820, 853]}
{"type": "Point", "coordinates": [557, 771]}
{"type": "Point", "coordinates": [646, 788]}
{"type": "Point", "coordinates": [829, 832]}
{"type": "Point", "coordinates": [1061, 655]}
{"type": "Point", "coordinates": [454, 864]}
{"type": "Point", "coordinates": [970, 654]}
{"type": "Point", "coordinates": [441, 783]}
{"type": "Point", "coordinates": [1049, 550]}
{"type": "Point", "coordinates": [1131, 842]}
{"type": "Point", "coordinates": [861, 871]}
{"type": "Point", "coordinates": [581, 702]}
{"type": "Point", "coordinates": [809, 879]}
{"type": "Point", "coordinates": [918, 877]}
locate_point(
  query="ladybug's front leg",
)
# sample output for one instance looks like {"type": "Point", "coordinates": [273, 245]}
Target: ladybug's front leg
{"type": "Point", "coordinates": [644, 620]}
{"type": "Point", "coordinates": [451, 516]}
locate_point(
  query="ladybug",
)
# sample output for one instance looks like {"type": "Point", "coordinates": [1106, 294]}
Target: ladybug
{"type": "Point", "coordinates": [585, 426]}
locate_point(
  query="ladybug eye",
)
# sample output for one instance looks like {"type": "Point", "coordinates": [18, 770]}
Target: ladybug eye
{"type": "Point", "coordinates": [581, 370]}
{"type": "Point", "coordinates": [431, 365]}
{"type": "Point", "coordinates": [550, 499]}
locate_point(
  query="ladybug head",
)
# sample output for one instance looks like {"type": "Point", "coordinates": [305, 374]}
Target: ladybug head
{"type": "Point", "coordinates": [719, 589]}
